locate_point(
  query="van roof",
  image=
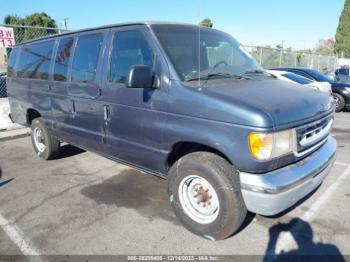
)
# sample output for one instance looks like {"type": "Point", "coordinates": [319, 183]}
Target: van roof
{"type": "Point", "coordinates": [101, 27]}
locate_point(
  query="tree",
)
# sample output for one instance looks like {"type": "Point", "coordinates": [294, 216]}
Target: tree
{"type": "Point", "coordinates": [207, 22]}
{"type": "Point", "coordinates": [39, 19]}
{"type": "Point", "coordinates": [35, 20]}
{"type": "Point", "coordinates": [325, 46]}
{"type": "Point", "coordinates": [342, 37]}
{"type": "Point", "coordinates": [15, 20]}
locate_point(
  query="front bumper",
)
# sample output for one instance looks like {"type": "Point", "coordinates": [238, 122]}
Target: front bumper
{"type": "Point", "coordinates": [271, 193]}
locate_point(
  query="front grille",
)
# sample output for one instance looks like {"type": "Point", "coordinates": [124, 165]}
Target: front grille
{"type": "Point", "coordinates": [312, 134]}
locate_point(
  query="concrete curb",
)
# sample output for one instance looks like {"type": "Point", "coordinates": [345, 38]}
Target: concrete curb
{"type": "Point", "coordinates": [14, 134]}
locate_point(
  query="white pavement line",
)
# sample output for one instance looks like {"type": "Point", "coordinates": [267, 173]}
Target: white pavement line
{"type": "Point", "coordinates": [341, 164]}
{"type": "Point", "coordinates": [287, 238]}
{"type": "Point", "coordinates": [17, 237]}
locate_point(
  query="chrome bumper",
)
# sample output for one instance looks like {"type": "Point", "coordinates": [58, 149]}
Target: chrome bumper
{"type": "Point", "coordinates": [273, 192]}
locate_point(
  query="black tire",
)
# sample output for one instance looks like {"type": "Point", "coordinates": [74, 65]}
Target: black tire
{"type": "Point", "coordinates": [52, 144]}
{"type": "Point", "coordinates": [224, 179]}
{"type": "Point", "coordinates": [339, 102]}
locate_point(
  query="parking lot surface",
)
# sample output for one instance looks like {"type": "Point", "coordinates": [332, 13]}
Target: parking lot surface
{"type": "Point", "coordinates": [82, 203]}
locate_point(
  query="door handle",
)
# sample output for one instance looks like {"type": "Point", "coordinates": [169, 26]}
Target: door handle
{"type": "Point", "coordinates": [73, 107]}
{"type": "Point", "coordinates": [106, 113]}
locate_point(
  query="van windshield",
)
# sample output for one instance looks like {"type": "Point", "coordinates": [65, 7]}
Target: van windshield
{"type": "Point", "coordinates": [205, 53]}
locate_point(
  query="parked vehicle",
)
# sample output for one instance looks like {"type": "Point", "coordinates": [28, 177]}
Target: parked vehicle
{"type": "Point", "coordinates": [341, 91]}
{"type": "Point", "coordinates": [342, 75]}
{"type": "Point", "coordinates": [228, 136]}
{"type": "Point", "coordinates": [298, 79]}
{"type": "Point", "coordinates": [3, 90]}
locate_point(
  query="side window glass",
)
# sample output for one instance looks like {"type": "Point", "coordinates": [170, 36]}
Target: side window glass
{"type": "Point", "coordinates": [86, 58]}
{"type": "Point", "coordinates": [11, 70]}
{"type": "Point", "coordinates": [129, 48]}
{"type": "Point", "coordinates": [301, 73]}
{"type": "Point", "coordinates": [35, 60]}
{"type": "Point", "coordinates": [62, 59]}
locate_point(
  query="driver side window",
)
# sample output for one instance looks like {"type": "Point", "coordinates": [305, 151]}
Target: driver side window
{"type": "Point", "coordinates": [129, 48]}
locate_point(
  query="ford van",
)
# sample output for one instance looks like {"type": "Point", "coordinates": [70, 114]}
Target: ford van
{"type": "Point", "coordinates": [184, 102]}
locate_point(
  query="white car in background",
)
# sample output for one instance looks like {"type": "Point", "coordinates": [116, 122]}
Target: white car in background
{"type": "Point", "coordinates": [298, 79]}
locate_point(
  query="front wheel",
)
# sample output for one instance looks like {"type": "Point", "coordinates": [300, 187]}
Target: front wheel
{"type": "Point", "coordinates": [204, 191]}
{"type": "Point", "coordinates": [46, 146]}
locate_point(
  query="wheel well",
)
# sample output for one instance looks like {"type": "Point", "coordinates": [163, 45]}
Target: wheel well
{"type": "Point", "coordinates": [181, 149]}
{"type": "Point", "coordinates": [339, 93]}
{"type": "Point", "coordinates": [31, 115]}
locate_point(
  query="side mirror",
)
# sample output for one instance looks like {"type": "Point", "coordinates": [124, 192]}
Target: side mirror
{"type": "Point", "coordinates": [140, 76]}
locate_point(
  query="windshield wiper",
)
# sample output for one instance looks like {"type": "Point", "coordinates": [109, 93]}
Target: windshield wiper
{"type": "Point", "coordinates": [217, 75]}
{"type": "Point", "coordinates": [254, 72]}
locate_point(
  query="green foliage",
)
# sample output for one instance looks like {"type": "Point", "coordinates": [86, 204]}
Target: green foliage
{"type": "Point", "coordinates": [206, 22]}
{"type": "Point", "coordinates": [35, 20]}
{"type": "Point", "coordinates": [39, 19]}
{"type": "Point", "coordinates": [342, 37]}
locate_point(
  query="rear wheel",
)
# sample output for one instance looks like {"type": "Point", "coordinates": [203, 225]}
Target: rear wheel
{"type": "Point", "coordinates": [45, 145]}
{"type": "Point", "coordinates": [205, 194]}
{"type": "Point", "coordinates": [339, 102]}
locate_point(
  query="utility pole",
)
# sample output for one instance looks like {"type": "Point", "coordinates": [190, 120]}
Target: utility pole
{"type": "Point", "coordinates": [64, 22]}
{"type": "Point", "coordinates": [281, 53]}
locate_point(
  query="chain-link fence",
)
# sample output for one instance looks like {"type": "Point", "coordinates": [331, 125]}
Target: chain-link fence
{"type": "Point", "coordinates": [3, 92]}
{"type": "Point", "coordinates": [267, 57]}
{"type": "Point", "coordinates": [22, 34]}
{"type": "Point", "coordinates": [273, 57]}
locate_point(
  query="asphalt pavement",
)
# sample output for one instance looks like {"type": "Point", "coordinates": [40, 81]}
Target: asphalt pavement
{"type": "Point", "coordinates": [82, 203]}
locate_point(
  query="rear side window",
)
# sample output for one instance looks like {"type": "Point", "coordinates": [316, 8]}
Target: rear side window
{"type": "Point", "coordinates": [62, 59]}
{"type": "Point", "coordinates": [129, 48]}
{"type": "Point", "coordinates": [343, 71]}
{"type": "Point", "coordinates": [86, 58]}
{"type": "Point", "coordinates": [35, 60]}
{"type": "Point", "coordinates": [11, 68]}
{"type": "Point", "coordinates": [297, 78]}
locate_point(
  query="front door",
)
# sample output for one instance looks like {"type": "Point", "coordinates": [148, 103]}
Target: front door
{"type": "Point", "coordinates": [134, 116]}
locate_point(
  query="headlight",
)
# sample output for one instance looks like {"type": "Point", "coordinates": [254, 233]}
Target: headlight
{"type": "Point", "coordinates": [266, 146]}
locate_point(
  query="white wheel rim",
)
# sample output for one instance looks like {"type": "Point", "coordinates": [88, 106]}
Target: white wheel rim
{"type": "Point", "coordinates": [337, 101]}
{"type": "Point", "coordinates": [39, 139]}
{"type": "Point", "coordinates": [198, 199]}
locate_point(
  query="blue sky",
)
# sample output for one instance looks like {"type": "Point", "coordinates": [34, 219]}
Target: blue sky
{"type": "Point", "coordinates": [299, 23]}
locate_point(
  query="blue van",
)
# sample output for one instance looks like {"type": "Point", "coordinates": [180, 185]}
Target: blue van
{"type": "Point", "coordinates": [183, 102]}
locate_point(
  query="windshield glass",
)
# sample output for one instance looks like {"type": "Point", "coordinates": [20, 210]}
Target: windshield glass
{"type": "Point", "coordinates": [220, 54]}
{"type": "Point", "coordinates": [319, 76]}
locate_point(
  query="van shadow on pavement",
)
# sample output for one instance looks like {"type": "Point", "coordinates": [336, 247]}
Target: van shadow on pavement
{"type": "Point", "coordinates": [68, 151]}
{"type": "Point", "coordinates": [145, 193]}
{"type": "Point", "coordinates": [307, 249]}
{"type": "Point", "coordinates": [131, 188]}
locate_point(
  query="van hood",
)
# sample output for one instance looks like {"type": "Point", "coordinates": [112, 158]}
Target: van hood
{"type": "Point", "coordinates": [286, 104]}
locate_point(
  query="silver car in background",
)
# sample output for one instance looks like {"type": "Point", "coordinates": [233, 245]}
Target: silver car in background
{"type": "Point", "coordinates": [298, 79]}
